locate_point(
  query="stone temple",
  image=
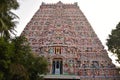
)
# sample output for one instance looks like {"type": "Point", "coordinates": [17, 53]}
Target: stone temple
{"type": "Point", "coordinates": [62, 34]}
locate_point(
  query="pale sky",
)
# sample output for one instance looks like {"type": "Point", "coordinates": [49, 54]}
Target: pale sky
{"type": "Point", "coordinates": [103, 15]}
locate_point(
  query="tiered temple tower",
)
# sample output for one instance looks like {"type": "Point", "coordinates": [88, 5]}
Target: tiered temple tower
{"type": "Point", "coordinates": [62, 34]}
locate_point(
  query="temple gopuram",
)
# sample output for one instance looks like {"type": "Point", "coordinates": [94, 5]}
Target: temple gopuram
{"type": "Point", "coordinates": [62, 34]}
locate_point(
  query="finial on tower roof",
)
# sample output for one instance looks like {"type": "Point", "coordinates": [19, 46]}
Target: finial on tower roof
{"type": "Point", "coordinates": [43, 3]}
{"type": "Point", "coordinates": [59, 2]}
{"type": "Point", "coordinates": [76, 3]}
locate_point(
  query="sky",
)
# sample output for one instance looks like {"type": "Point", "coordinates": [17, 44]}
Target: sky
{"type": "Point", "coordinates": [103, 15]}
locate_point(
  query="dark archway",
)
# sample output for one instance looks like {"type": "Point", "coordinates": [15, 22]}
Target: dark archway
{"type": "Point", "coordinates": [57, 66]}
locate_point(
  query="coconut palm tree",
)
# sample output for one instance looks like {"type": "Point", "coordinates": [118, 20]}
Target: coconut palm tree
{"type": "Point", "coordinates": [7, 23]}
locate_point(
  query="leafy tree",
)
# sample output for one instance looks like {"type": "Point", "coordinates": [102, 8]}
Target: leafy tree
{"type": "Point", "coordinates": [32, 66]}
{"type": "Point", "coordinates": [7, 5]}
{"type": "Point", "coordinates": [7, 23]}
{"type": "Point", "coordinates": [11, 69]}
{"type": "Point", "coordinates": [17, 61]}
{"type": "Point", "coordinates": [18, 72]}
{"type": "Point", "coordinates": [113, 42]}
{"type": "Point", "coordinates": [37, 68]}
{"type": "Point", "coordinates": [5, 55]}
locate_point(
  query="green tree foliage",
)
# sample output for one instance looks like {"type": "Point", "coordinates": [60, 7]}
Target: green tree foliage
{"type": "Point", "coordinates": [113, 42]}
{"type": "Point", "coordinates": [7, 5]}
{"type": "Point", "coordinates": [18, 72]}
{"type": "Point", "coordinates": [21, 50]}
{"type": "Point", "coordinates": [37, 68]}
{"type": "Point", "coordinates": [5, 58]}
{"type": "Point", "coordinates": [7, 22]}
{"type": "Point", "coordinates": [17, 61]}
{"type": "Point", "coordinates": [34, 65]}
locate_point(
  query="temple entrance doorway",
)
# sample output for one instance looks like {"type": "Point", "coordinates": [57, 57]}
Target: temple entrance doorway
{"type": "Point", "coordinates": [57, 66]}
